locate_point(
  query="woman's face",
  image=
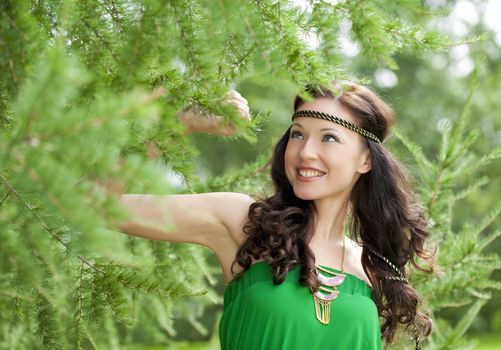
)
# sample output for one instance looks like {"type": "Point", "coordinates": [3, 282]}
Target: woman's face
{"type": "Point", "coordinates": [338, 154]}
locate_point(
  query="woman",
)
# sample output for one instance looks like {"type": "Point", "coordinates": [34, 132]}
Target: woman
{"type": "Point", "coordinates": [295, 281]}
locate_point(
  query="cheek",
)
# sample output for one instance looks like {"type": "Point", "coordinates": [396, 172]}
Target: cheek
{"type": "Point", "coordinates": [288, 154]}
{"type": "Point", "coordinates": [287, 161]}
{"type": "Point", "coordinates": [290, 160]}
{"type": "Point", "coordinates": [342, 164]}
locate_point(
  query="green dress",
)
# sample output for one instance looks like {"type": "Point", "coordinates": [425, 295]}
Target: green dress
{"type": "Point", "coordinates": [259, 315]}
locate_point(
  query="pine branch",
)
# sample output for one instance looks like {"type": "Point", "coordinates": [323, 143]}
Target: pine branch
{"type": "Point", "coordinates": [299, 57]}
{"type": "Point", "coordinates": [91, 339]}
{"type": "Point", "coordinates": [185, 19]}
{"type": "Point", "coordinates": [489, 284]}
{"type": "Point", "coordinates": [471, 165]}
{"type": "Point", "coordinates": [466, 112]}
{"type": "Point", "coordinates": [47, 326]}
{"type": "Point", "coordinates": [17, 296]}
{"type": "Point", "coordinates": [455, 335]}
{"type": "Point", "coordinates": [486, 221]}
{"type": "Point", "coordinates": [483, 243]}
{"type": "Point", "coordinates": [471, 188]}
{"type": "Point", "coordinates": [5, 196]}
{"type": "Point", "coordinates": [254, 171]}
{"type": "Point", "coordinates": [48, 229]}
{"type": "Point", "coordinates": [78, 317]}
{"type": "Point", "coordinates": [425, 166]}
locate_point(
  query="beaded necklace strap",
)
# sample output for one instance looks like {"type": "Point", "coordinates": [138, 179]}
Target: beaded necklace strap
{"type": "Point", "coordinates": [400, 276]}
{"type": "Point", "coordinates": [337, 120]}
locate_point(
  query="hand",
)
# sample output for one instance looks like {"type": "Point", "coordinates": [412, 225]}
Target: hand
{"type": "Point", "coordinates": [213, 123]}
{"type": "Point", "coordinates": [232, 97]}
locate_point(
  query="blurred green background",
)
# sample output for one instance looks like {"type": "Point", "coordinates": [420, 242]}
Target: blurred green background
{"type": "Point", "coordinates": [425, 91]}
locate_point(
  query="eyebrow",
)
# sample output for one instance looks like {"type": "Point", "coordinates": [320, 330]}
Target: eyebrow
{"type": "Point", "coordinates": [323, 129]}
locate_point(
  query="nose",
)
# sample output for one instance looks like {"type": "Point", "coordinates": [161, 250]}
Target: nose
{"type": "Point", "coordinates": [309, 150]}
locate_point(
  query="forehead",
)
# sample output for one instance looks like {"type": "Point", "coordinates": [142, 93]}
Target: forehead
{"type": "Point", "coordinates": [330, 106]}
{"type": "Point", "coordinates": [316, 124]}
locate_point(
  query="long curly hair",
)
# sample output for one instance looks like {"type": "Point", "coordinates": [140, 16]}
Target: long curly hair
{"type": "Point", "coordinates": [384, 216]}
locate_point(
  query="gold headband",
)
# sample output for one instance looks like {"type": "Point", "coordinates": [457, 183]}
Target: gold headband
{"type": "Point", "coordinates": [337, 120]}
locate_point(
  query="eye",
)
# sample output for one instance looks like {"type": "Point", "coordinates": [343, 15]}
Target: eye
{"type": "Point", "coordinates": [294, 133]}
{"type": "Point", "coordinates": [332, 137]}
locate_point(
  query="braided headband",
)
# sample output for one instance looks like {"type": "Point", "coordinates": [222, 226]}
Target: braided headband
{"type": "Point", "coordinates": [337, 120]}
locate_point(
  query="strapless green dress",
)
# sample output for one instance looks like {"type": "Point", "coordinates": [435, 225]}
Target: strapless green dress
{"type": "Point", "coordinates": [259, 315]}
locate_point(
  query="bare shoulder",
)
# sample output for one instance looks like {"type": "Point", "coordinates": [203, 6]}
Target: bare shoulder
{"type": "Point", "coordinates": [354, 260]}
{"type": "Point", "coordinates": [233, 213]}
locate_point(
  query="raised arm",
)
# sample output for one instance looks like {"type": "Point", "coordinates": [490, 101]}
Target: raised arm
{"type": "Point", "coordinates": [209, 219]}
{"type": "Point", "coordinates": [213, 220]}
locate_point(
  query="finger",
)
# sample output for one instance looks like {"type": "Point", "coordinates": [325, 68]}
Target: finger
{"type": "Point", "coordinates": [243, 107]}
{"type": "Point", "coordinates": [239, 103]}
{"type": "Point", "coordinates": [236, 100]}
{"type": "Point", "coordinates": [244, 113]}
{"type": "Point", "coordinates": [233, 94]}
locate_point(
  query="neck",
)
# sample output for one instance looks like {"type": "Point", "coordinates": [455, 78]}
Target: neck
{"type": "Point", "coordinates": [329, 221]}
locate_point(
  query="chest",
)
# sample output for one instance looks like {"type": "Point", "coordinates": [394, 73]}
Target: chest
{"type": "Point", "coordinates": [332, 256]}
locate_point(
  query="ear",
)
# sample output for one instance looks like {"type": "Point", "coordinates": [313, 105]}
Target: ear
{"type": "Point", "coordinates": [365, 161]}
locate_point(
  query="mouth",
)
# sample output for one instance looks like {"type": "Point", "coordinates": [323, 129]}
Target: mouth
{"type": "Point", "coordinates": [309, 175]}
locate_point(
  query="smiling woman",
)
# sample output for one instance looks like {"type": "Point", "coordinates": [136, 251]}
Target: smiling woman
{"type": "Point", "coordinates": [329, 166]}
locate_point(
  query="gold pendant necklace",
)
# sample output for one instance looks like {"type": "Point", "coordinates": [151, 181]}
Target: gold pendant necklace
{"type": "Point", "coordinates": [323, 300]}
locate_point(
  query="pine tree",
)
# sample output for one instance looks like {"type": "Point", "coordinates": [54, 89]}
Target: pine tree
{"type": "Point", "coordinates": [463, 280]}
{"type": "Point", "coordinates": [88, 86]}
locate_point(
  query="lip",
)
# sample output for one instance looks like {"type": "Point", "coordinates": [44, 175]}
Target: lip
{"type": "Point", "coordinates": [309, 168]}
{"type": "Point", "coordinates": [308, 179]}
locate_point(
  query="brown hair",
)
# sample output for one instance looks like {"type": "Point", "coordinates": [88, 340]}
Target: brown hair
{"type": "Point", "coordinates": [385, 217]}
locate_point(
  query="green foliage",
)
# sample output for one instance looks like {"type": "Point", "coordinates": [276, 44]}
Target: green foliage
{"type": "Point", "coordinates": [464, 272]}
{"type": "Point", "coordinates": [86, 86]}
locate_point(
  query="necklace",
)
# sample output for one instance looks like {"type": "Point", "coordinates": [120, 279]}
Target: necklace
{"type": "Point", "coordinates": [323, 300]}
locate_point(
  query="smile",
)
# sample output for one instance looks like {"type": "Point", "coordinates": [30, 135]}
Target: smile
{"type": "Point", "coordinates": [308, 175]}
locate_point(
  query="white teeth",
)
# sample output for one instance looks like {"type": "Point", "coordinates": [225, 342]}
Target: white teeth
{"type": "Point", "coordinates": [306, 173]}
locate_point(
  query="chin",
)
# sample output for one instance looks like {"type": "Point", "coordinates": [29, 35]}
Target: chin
{"type": "Point", "coordinates": [305, 196]}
